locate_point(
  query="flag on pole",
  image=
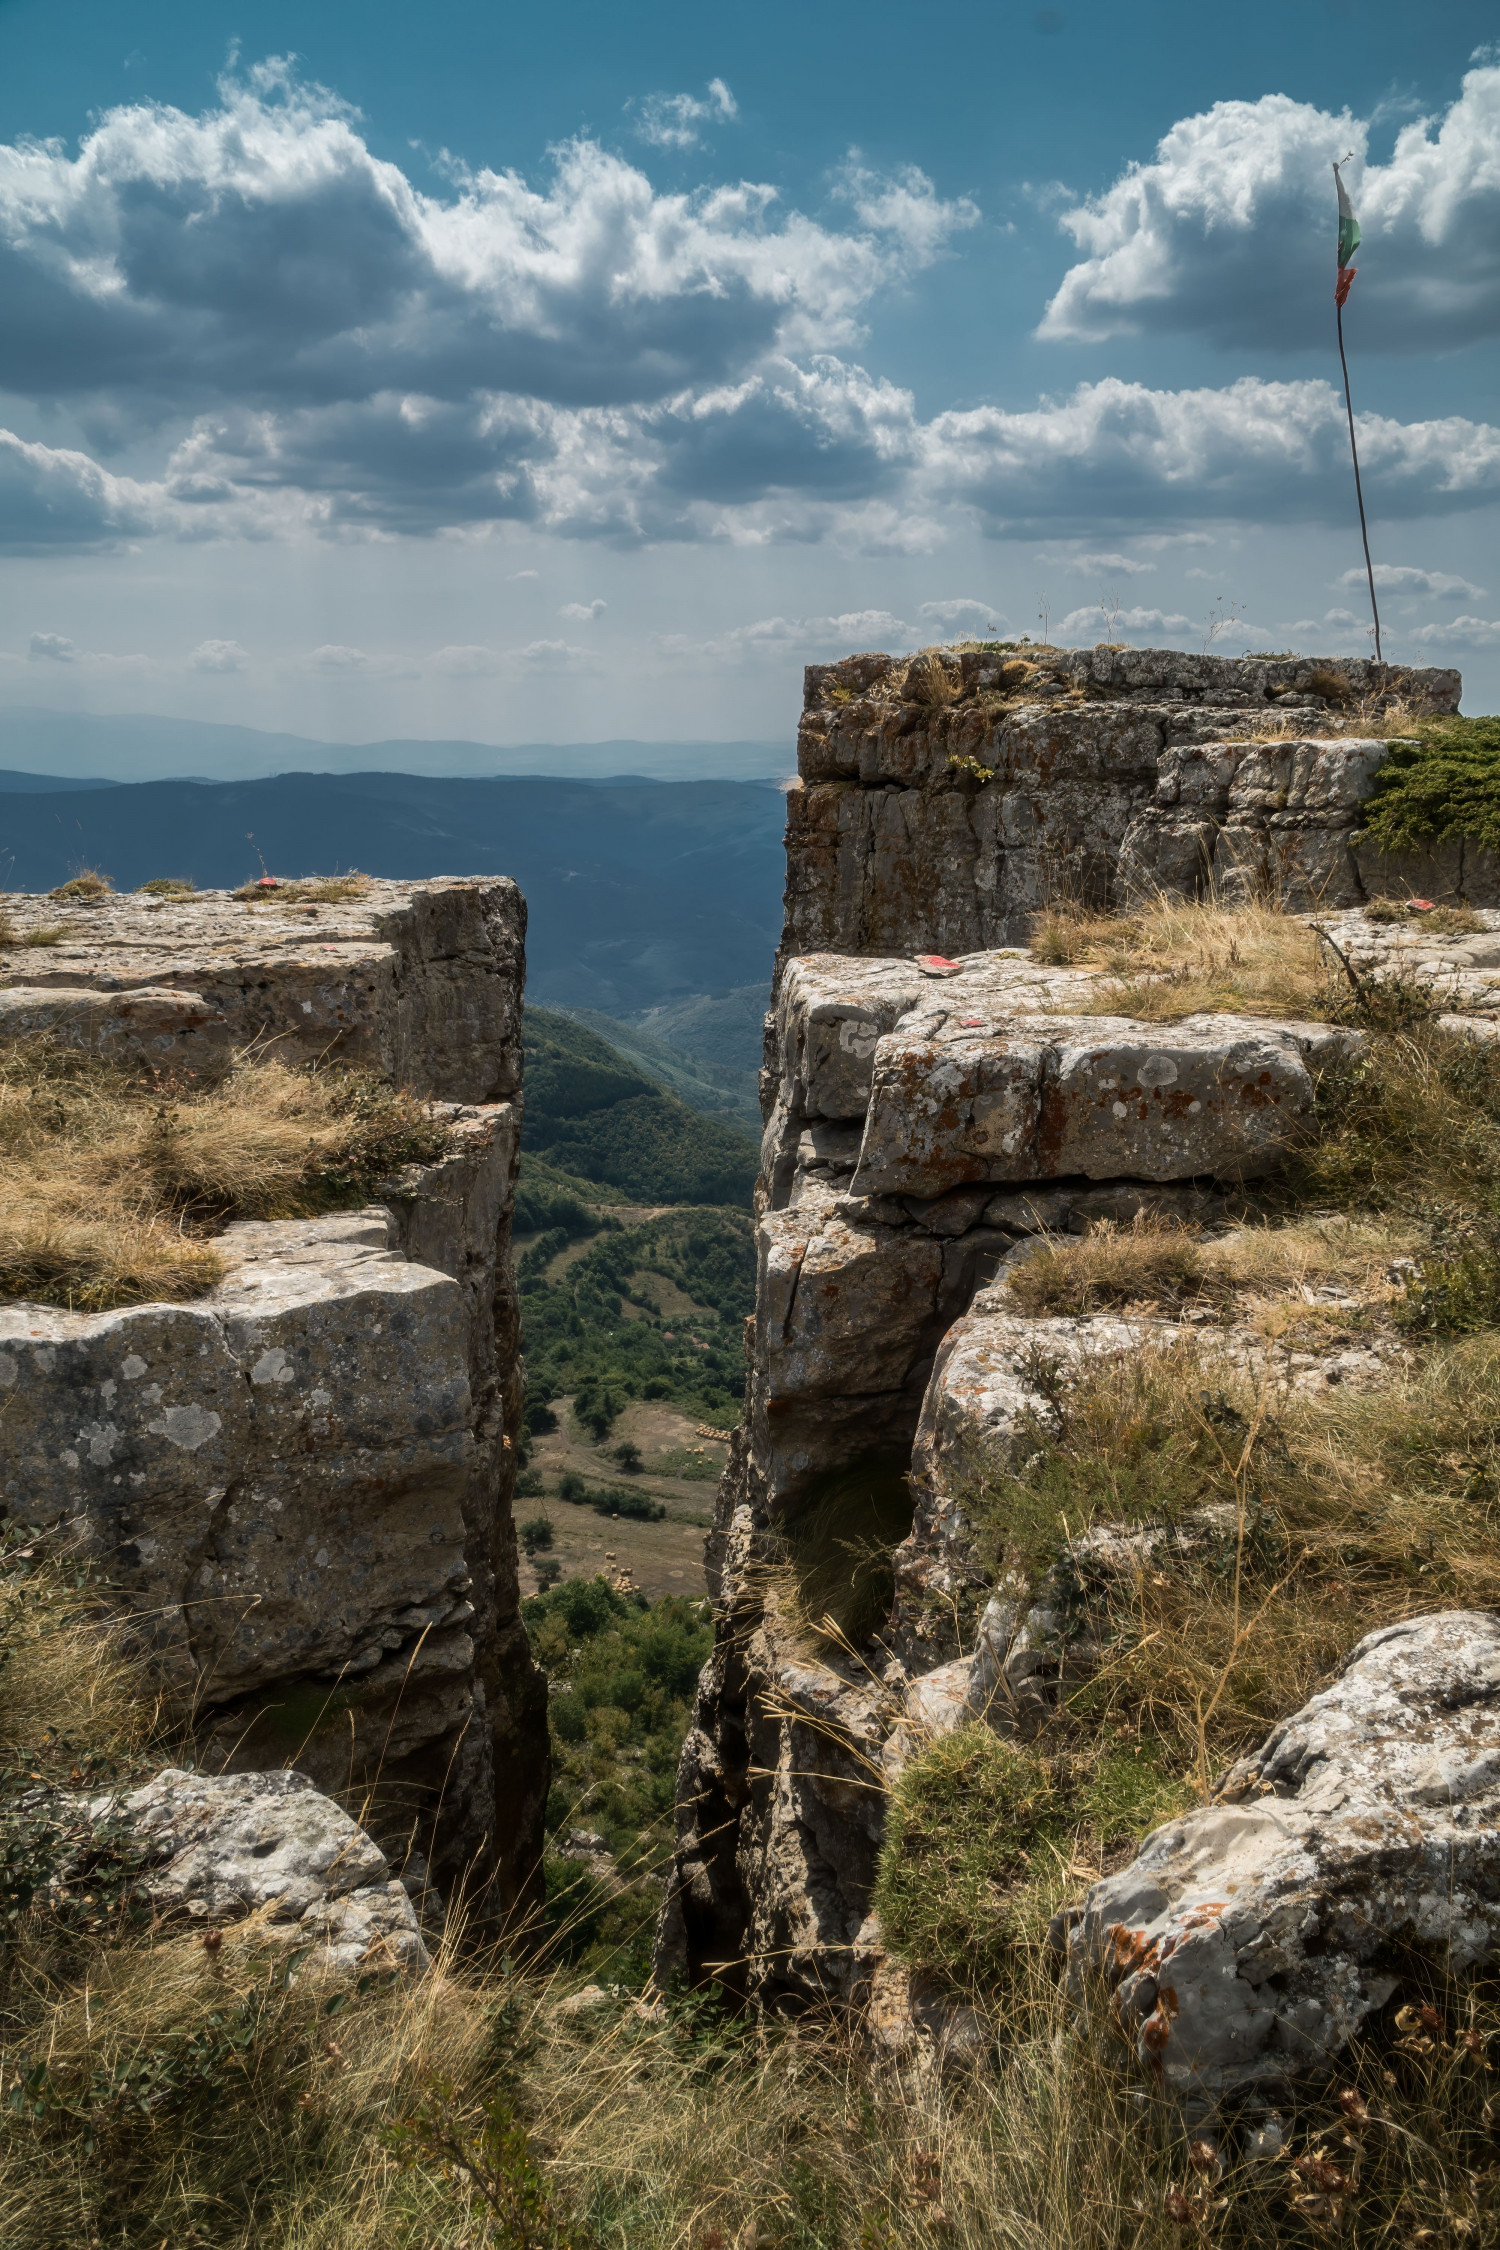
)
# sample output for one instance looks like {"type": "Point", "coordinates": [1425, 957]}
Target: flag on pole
{"type": "Point", "coordinates": [1349, 239]}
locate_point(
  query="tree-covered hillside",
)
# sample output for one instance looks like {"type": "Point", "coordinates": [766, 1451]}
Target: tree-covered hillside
{"type": "Point", "coordinates": [592, 1112]}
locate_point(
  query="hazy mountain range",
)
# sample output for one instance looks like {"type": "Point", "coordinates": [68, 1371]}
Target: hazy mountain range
{"type": "Point", "coordinates": [86, 745]}
{"type": "Point", "coordinates": [644, 895]}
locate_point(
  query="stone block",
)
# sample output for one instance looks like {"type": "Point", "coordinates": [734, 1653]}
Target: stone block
{"type": "Point", "coordinates": [1104, 1097]}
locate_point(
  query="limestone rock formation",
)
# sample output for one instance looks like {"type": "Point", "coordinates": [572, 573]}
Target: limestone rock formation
{"type": "Point", "coordinates": [922, 1130]}
{"type": "Point", "coordinates": [218, 1848]}
{"type": "Point", "coordinates": [935, 1100]}
{"type": "Point", "coordinates": [421, 982]}
{"type": "Point", "coordinates": [943, 800]}
{"type": "Point", "coordinates": [1247, 1942]}
{"type": "Point", "coordinates": [301, 1483]}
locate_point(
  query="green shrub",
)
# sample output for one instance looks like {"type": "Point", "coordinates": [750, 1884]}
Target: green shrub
{"type": "Point", "coordinates": [569, 1717]}
{"type": "Point", "coordinates": [977, 1831]}
{"type": "Point", "coordinates": [570, 1486]}
{"type": "Point", "coordinates": [1444, 785]}
{"type": "Point", "coordinates": [597, 1404]}
{"type": "Point", "coordinates": [537, 1533]}
{"type": "Point", "coordinates": [622, 1500]}
{"type": "Point", "coordinates": [961, 1825]}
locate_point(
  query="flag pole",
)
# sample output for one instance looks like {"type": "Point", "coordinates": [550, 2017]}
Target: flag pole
{"type": "Point", "coordinates": [1348, 243]}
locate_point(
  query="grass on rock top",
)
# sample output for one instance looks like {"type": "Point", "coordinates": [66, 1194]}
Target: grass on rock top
{"type": "Point", "coordinates": [113, 1181]}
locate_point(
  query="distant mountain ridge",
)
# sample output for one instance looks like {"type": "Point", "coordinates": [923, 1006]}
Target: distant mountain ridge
{"type": "Point", "coordinates": [642, 894]}
{"type": "Point", "coordinates": [131, 747]}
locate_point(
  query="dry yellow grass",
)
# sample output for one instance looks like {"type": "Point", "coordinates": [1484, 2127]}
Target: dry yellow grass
{"type": "Point", "coordinates": [111, 1181]}
{"type": "Point", "coordinates": [1172, 958]}
{"type": "Point", "coordinates": [312, 890]}
{"type": "Point", "coordinates": [1155, 1262]}
{"type": "Point", "coordinates": [1340, 1509]}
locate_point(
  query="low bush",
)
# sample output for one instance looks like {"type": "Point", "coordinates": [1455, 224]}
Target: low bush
{"type": "Point", "coordinates": [1444, 785]}
{"type": "Point", "coordinates": [87, 888]}
{"type": "Point", "coordinates": [625, 1500]}
{"type": "Point", "coordinates": [981, 1837]}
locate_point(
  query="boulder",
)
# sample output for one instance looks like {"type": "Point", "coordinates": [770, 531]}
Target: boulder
{"type": "Point", "coordinates": [1248, 1942]}
{"type": "Point", "coordinates": [223, 1847]}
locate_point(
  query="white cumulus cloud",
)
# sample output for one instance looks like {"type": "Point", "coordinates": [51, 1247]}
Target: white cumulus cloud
{"type": "Point", "coordinates": [963, 615]}
{"type": "Point", "coordinates": [1230, 230]}
{"type": "Point", "coordinates": [583, 613]}
{"type": "Point", "coordinates": [1405, 578]}
{"type": "Point", "coordinates": [1115, 451]}
{"type": "Point", "coordinates": [1097, 618]}
{"type": "Point", "coordinates": [677, 120]}
{"type": "Point", "coordinates": [260, 254]}
{"type": "Point", "coordinates": [218, 656]}
{"type": "Point", "coordinates": [51, 648]}
{"type": "Point", "coordinates": [1461, 632]}
{"type": "Point", "coordinates": [53, 497]}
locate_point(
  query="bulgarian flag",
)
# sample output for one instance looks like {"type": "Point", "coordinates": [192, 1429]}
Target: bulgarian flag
{"type": "Point", "coordinates": [1348, 241]}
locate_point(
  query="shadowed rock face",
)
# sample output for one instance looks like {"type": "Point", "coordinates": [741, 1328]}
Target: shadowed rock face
{"type": "Point", "coordinates": [301, 1483]}
{"type": "Point", "coordinates": [1243, 1943]}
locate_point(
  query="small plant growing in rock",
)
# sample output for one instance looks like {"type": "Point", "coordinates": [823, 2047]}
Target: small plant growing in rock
{"type": "Point", "coordinates": [87, 888]}
{"type": "Point", "coordinates": [169, 887]}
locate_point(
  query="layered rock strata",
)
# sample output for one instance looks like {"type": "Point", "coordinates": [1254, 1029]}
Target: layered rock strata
{"type": "Point", "coordinates": [301, 1483]}
{"type": "Point", "coordinates": [942, 801]}
{"type": "Point", "coordinates": [421, 982]}
{"type": "Point", "coordinates": [936, 1103]}
{"type": "Point", "coordinates": [927, 1127]}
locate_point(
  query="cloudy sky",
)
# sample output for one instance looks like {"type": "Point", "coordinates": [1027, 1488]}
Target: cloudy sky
{"type": "Point", "coordinates": [560, 374]}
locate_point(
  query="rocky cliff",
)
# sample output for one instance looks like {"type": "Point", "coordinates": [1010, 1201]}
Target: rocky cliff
{"type": "Point", "coordinates": [301, 1482]}
{"type": "Point", "coordinates": [930, 1122]}
{"type": "Point", "coordinates": [942, 800]}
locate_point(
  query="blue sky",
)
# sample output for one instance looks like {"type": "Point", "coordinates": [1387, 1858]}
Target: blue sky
{"type": "Point", "coordinates": [525, 375]}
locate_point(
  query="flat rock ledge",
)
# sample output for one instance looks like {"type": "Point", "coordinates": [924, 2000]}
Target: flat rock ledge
{"type": "Point", "coordinates": [221, 1848]}
{"type": "Point", "coordinates": [1248, 1942]}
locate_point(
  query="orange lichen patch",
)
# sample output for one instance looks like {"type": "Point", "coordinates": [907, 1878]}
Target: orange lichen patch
{"type": "Point", "coordinates": [1130, 1951]}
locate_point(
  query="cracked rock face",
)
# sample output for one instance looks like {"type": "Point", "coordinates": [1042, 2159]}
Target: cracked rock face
{"type": "Point", "coordinates": [418, 981]}
{"type": "Point", "coordinates": [1247, 1942]}
{"type": "Point", "coordinates": [222, 1847]}
{"type": "Point", "coordinates": [927, 1120]}
{"type": "Point", "coordinates": [301, 1482]}
{"type": "Point", "coordinates": [943, 803]}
